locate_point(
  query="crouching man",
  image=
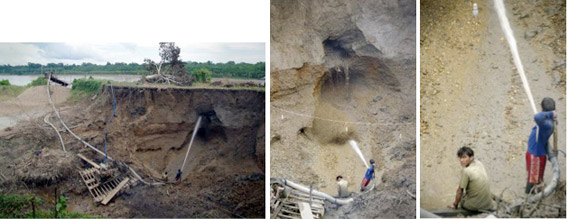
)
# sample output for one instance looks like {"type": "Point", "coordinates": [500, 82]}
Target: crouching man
{"type": "Point", "coordinates": [342, 184]}
{"type": "Point", "coordinates": [474, 183]}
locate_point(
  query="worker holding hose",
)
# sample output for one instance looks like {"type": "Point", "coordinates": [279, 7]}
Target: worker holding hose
{"type": "Point", "coordinates": [538, 143]}
{"type": "Point", "coordinates": [370, 174]}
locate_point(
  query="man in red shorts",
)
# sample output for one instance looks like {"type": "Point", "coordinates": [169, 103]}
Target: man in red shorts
{"type": "Point", "coordinates": [538, 143]}
{"type": "Point", "coordinates": [368, 175]}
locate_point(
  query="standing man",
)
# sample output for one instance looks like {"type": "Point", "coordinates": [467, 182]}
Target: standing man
{"type": "Point", "coordinates": [178, 175]}
{"type": "Point", "coordinates": [538, 143]}
{"type": "Point", "coordinates": [370, 174]}
{"type": "Point", "coordinates": [342, 191]}
{"type": "Point", "coordinates": [475, 183]}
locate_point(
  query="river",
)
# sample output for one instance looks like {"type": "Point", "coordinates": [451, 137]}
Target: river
{"type": "Point", "coordinates": [22, 80]}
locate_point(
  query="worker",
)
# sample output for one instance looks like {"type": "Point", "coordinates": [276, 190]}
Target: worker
{"type": "Point", "coordinates": [538, 143]}
{"type": "Point", "coordinates": [178, 175]}
{"type": "Point", "coordinates": [370, 174]}
{"type": "Point", "coordinates": [165, 176]}
{"type": "Point", "coordinates": [342, 191]}
{"type": "Point", "coordinates": [475, 183]}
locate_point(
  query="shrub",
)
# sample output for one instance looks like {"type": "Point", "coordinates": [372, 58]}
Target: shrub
{"type": "Point", "coordinates": [202, 75]}
{"type": "Point", "coordinates": [89, 85]}
{"type": "Point", "coordinates": [38, 82]}
{"type": "Point", "coordinates": [4, 82]}
{"type": "Point", "coordinates": [16, 205]}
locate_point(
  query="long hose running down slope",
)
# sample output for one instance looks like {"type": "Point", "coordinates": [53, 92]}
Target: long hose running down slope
{"type": "Point", "coordinates": [87, 144]}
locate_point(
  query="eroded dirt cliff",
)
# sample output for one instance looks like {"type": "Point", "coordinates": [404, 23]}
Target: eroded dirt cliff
{"type": "Point", "coordinates": [345, 70]}
{"type": "Point", "coordinates": [224, 174]}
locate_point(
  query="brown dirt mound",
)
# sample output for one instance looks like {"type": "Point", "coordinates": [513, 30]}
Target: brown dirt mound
{"type": "Point", "coordinates": [49, 167]}
{"type": "Point", "coordinates": [34, 99]}
{"type": "Point", "coordinates": [37, 95]}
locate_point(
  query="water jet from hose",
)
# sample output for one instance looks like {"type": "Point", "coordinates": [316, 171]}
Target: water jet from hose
{"type": "Point", "coordinates": [357, 151]}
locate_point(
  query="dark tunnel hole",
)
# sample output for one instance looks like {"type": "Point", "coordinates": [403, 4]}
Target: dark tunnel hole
{"type": "Point", "coordinates": [332, 46]}
{"type": "Point", "coordinates": [210, 127]}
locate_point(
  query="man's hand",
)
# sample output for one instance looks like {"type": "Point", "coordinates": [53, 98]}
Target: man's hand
{"type": "Point", "coordinates": [452, 206]}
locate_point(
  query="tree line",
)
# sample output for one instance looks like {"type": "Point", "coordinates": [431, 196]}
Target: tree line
{"type": "Point", "coordinates": [219, 70]}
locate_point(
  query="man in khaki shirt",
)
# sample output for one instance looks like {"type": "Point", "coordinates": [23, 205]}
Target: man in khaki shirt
{"type": "Point", "coordinates": [342, 191]}
{"type": "Point", "coordinates": [475, 183]}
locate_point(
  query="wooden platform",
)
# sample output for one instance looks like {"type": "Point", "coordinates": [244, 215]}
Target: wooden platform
{"type": "Point", "coordinates": [295, 204]}
{"type": "Point", "coordinates": [102, 192]}
{"type": "Point", "coordinates": [89, 161]}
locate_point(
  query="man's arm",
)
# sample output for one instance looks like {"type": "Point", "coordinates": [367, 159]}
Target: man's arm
{"type": "Point", "coordinates": [459, 194]}
{"type": "Point", "coordinates": [464, 182]}
{"type": "Point", "coordinates": [541, 117]}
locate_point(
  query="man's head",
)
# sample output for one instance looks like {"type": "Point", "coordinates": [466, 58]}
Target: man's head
{"type": "Point", "coordinates": [548, 104]}
{"type": "Point", "coordinates": [338, 178]}
{"type": "Point", "coordinates": [372, 161]}
{"type": "Point", "coordinates": [465, 154]}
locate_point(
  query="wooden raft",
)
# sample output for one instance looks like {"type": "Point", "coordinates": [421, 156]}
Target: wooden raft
{"type": "Point", "coordinates": [102, 192]}
{"type": "Point", "coordinates": [295, 204]}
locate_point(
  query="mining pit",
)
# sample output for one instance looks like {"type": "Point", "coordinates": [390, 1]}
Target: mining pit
{"type": "Point", "coordinates": [340, 71]}
{"type": "Point", "coordinates": [224, 175]}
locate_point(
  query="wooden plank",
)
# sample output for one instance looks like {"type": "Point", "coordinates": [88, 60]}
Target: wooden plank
{"type": "Point", "coordinates": [97, 192]}
{"type": "Point", "coordinates": [114, 191]}
{"type": "Point", "coordinates": [286, 216]}
{"type": "Point", "coordinates": [276, 211]}
{"type": "Point", "coordinates": [315, 209]}
{"type": "Point", "coordinates": [305, 210]}
{"type": "Point", "coordinates": [291, 212]}
{"type": "Point", "coordinates": [89, 161]}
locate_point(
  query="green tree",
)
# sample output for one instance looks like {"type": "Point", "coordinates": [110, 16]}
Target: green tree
{"type": "Point", "coordinates": [203, 75]}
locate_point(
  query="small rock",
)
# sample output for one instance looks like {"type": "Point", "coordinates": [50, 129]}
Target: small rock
{"type": "Point", "coordinates": [559, 63]}
{"type": "Point", "coordinates": [377, 98]}
{"type": "Point", "coordinates": [526, 15]}
{"type": "Point", "coordinates": [530, 34]}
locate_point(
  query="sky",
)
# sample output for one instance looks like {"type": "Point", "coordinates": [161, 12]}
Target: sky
{"type": "Point", "coordinates": [101, 53]}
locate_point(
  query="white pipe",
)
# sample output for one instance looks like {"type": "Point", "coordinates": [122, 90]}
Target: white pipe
{"type": "Point", "coordinates": [46, 120]}
{"type": "Point", "coordinates": [141, 180]}
{"type": "Point", "coordinates": [191, 141]}
{"type": "Point", "coordinates": [314, 192]}
{"type": "Point", "coordinates": [555, 176]}
{"type": "Point", "coordinates": [65, 126]}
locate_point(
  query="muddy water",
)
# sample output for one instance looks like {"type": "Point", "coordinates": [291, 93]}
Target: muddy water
{"type": "Point", "coordinates": [471, 95]}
